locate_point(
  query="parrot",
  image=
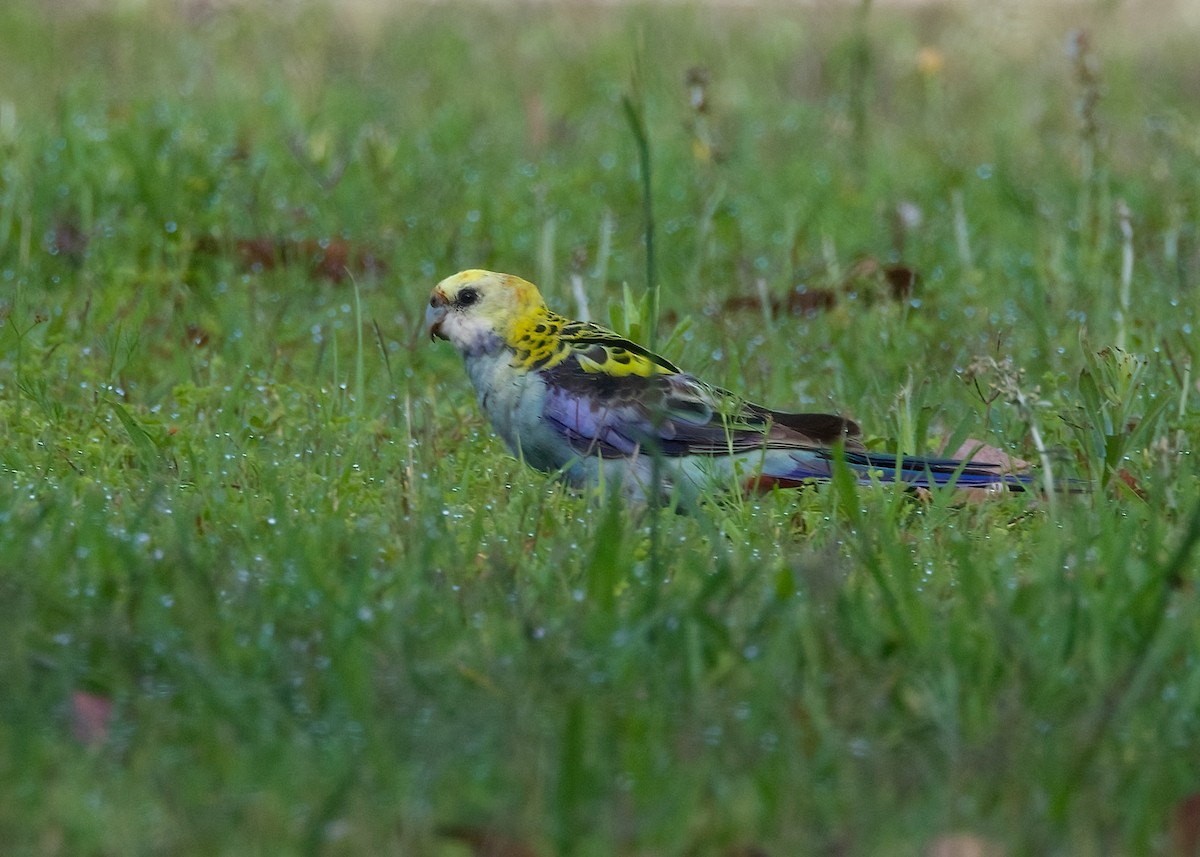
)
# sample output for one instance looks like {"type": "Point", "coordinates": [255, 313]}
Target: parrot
{"type": "Point", "coordinates": [581, 401]}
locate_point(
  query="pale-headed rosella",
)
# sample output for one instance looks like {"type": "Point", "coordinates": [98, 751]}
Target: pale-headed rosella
{"type": "Point", "coordinates": [578, 399]}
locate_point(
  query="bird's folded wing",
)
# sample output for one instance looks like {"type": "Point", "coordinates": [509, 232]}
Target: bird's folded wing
{"type": "Point", "coordinates": [611, 415]}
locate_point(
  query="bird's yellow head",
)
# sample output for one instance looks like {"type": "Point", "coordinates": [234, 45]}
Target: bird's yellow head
{"type": "Point", "coordinates": [477, 309]}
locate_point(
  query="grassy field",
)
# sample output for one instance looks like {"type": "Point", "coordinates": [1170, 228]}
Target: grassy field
{"type": "Point", "coordinates": [268, 585]}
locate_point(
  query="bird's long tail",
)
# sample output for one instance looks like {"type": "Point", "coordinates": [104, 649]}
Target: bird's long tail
{"type": "Point", "coordinates": [797, 467]}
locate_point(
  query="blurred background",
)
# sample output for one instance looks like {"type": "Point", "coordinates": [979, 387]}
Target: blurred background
{"type": "Point", "coordinates": [268, 585]}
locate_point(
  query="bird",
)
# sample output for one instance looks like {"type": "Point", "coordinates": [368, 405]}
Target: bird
{"type": "Point", "coordinates": [581, 401]}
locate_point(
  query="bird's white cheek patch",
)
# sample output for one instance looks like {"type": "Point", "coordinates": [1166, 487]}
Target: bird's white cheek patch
{"type": "Point", "coordinates": [469, 335]}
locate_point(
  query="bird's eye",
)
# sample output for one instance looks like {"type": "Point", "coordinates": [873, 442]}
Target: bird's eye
{"type": "Point", "coordinates": [467, 297]}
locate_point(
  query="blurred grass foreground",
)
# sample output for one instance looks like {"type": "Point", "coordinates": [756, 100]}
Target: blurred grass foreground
{"type": "Point", "coordinates": [269, 586]}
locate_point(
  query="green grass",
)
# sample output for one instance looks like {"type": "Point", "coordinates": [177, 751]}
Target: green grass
{"type": "Point", "coordinates": [256, 510]}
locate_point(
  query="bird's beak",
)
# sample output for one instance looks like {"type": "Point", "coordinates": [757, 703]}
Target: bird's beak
{"type": "Point", "coordinates": [435, 315]}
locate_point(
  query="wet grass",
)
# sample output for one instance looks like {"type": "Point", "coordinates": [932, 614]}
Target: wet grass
{"type": "Point", "coordinates": [268, 585]}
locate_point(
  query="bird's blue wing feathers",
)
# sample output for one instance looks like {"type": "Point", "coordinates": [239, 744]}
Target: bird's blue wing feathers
{"type": "Point", "coordinates": [679, 415]}
{"type": "Point", "coordinates": [675, 414]}
{"type": "Point", "coordinates": [619, 416]}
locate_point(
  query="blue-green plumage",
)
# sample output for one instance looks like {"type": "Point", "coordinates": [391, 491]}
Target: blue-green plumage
{"type": "Point", "coordinates": [579, 399]}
